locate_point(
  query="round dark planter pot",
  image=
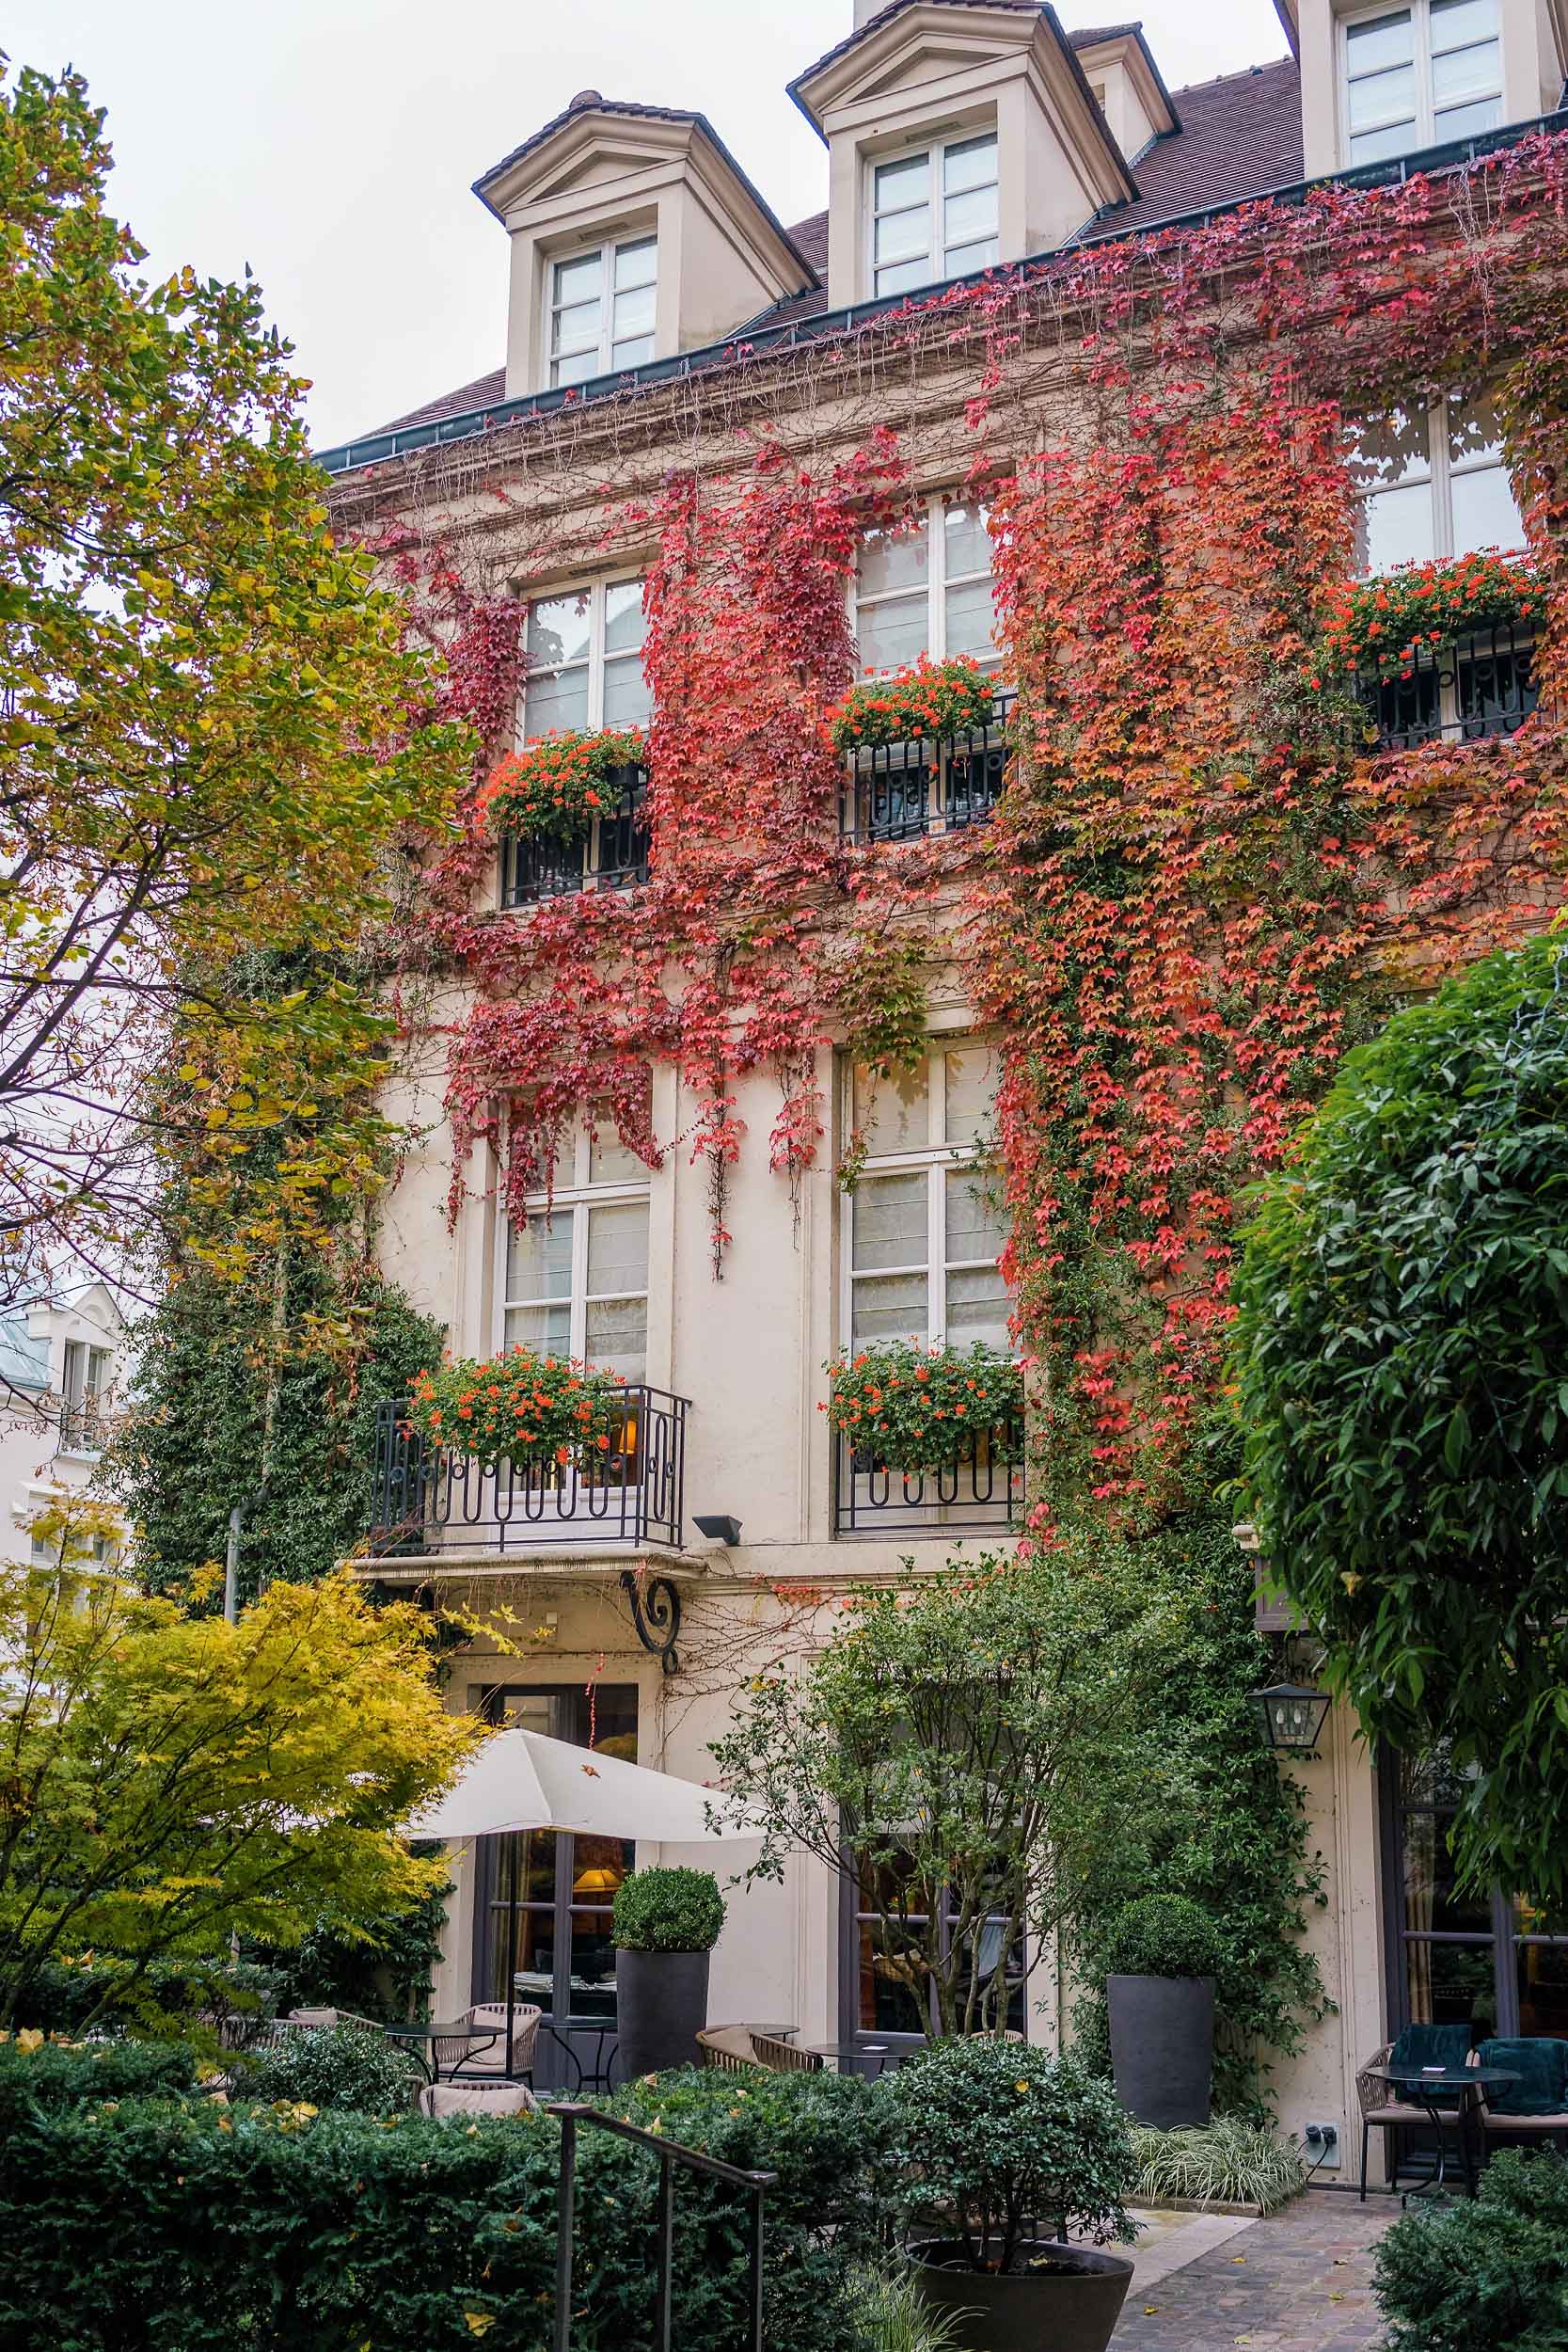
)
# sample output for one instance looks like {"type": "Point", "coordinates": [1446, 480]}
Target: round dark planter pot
{"type": "Point", "coordinates": [661, 2006]}
{"type": "Point", "coordinates": [1072, 2306]}
{"type": "Point", "coordinates": [1162, 2048]}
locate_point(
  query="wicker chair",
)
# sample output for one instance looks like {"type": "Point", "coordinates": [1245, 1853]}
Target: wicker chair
{"type": "Point", "coordinates": [456, 2059]}
{"type": "Point", "coordinates": [1391, 2116]}
{"type": "Point", "coordinates": [783, 2058]}
{"type": "Point", "coordinates": [441, 2100]}
{"type": "Point", "coordinates": [744, 2051]}
{"type": "Point", "coordinates": [324, 2018]}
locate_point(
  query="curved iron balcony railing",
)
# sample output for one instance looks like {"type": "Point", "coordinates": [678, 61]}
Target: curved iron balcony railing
{"type": "Point", "coordinates": [982, 1493]}
{"type": "Point", "coordinates": [1476, 688]}
{"type": "Point", "coordinates": [898, 791]}
{"type": "Point", "coordinates": [428, 1499]}
{"type": "Point", "coordinates": [614, 856]}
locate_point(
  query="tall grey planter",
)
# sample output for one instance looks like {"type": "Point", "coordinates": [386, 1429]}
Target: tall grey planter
{"type": "Point", "coordinates": [1162, 2048]}
{"type": "Point", "coordinates": [661, 2006]}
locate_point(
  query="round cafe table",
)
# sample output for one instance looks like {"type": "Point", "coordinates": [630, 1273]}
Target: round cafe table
{"type": "Point", "coordinates": [854, 2057]}
{"type": "Point", "coordinates": [1462, 2087]}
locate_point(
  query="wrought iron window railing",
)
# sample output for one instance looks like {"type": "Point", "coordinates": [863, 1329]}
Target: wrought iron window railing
{"type": "Point", "coordinates": [614, 855]}
{"type": "Point", "coordinates": [982, 1493]}
{"type": "Point", "coordinates": [1479, 687]}
{"type": "Point", "coordinates": [88, 1423]}
{"type": "Point", "coordinates": [428, 1499]}
{"type": "Point", "coordinates": [899, 791]}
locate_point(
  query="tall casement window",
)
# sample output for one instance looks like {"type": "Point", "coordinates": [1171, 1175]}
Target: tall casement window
{"type": "Point", "coordinates": [934, 213]}
{"type": "Point", "coordinates": [584, 654]}
{"type": "Point", "coordinates": [876, 2000]}
{"type": "Point", "coordinates": [924, 1223]}
{"type": "Point", "coordinates": [575, 1277]}
{"type": "Point", "coordinates": [1454, 1957]}
{"type": "Point", "coordinates": [1431, 482]}
{"type": "Point", "coordinates": [1418, 76]}
{"type": "Point", "coordinates": [602, 309]}
{"type": "Point", "coordinates": [541, 1898]}
{"type": "Point", "coordinates": [926, 589]}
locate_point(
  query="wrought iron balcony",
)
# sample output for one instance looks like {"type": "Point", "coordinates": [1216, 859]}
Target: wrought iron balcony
{"type": "Point", "coordinates": [899, 791]}
{"type": "Point", "coordinates": [982, 1494]}
{"type": "Point", "coordinates": [614, 855]}
{"type": "Point", "coordinates": [1480, 687]}
{"type": "Point", "coordinates": [428, 1499]}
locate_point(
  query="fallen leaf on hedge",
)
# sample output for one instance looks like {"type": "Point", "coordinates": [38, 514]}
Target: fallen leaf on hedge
{"type": "Point", "coordinates": [479, 2322]}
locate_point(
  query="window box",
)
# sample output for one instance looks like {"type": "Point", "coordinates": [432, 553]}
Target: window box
{"type": "Point", "coordinates": [1439, 651]}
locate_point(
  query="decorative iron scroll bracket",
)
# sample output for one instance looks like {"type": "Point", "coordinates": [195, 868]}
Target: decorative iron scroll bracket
{"type": "Point", "coordinates": [656, 1611]}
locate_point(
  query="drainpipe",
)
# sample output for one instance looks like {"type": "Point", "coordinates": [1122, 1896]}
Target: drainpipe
{"type": "Point", "coordinates": [237, 1517]}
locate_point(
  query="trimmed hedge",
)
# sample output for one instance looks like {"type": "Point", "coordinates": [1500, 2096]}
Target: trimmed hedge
{"type": "Point", "coordinates": [175, 2225]}
{"type": "Point", "coordinates": [1487, 2275]}
{"type": "Point", "coordinates": [671, 1910]}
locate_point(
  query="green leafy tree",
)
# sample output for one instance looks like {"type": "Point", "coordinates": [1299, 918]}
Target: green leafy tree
{"type": "Point", "coordinates": [970, 1747]}
{"type": "Point", "coordinates": [205, 739]}
{"type": "Point", "coordinates": [168, 1781]}
{"type": "Point", "coordinates": [1401, 1369]}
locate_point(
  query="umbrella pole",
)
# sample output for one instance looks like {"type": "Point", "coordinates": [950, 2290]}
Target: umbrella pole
{"type": "Point", "coordinates": [511, 1943]}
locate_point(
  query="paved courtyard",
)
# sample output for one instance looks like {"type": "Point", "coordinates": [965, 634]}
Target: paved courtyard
{"type": "Point", "coordinates": [1301, 2282]}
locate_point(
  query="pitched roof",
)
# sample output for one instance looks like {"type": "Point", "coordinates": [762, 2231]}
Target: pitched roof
{"type": "Point", "coordinates": [1240, 136]}
{"type": "Point", "coordinates": [23, 1360]}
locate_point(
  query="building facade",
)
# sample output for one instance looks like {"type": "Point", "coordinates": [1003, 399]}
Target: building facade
{"type": "Point", "coordinates": [61, 1361]}
{"type": "Point", "coordinates": [988, 175]}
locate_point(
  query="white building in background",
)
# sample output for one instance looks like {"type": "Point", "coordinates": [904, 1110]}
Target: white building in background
{"type": "Point", "coordinates": [61, 1372]}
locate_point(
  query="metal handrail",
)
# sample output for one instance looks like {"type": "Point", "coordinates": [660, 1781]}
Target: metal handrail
{"type": "Point", "coordinates": [984, 1489]}
{"type": "Point", "coordinates": [612, 856]}
{"type": "Point", "coordinates": [900, 791]}
{"type": "Point", "coordinates": [669, 2152]}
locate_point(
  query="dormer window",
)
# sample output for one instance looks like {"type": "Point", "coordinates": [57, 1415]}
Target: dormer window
{"type": "Point", "coordinates": [1420, 76]}
{"type": "Point", "coordinates": [602, 309]}
{"type": "Point", "coordinates": [935, 214]}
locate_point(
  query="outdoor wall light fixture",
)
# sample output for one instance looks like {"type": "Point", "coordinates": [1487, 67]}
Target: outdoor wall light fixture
{"type": "Point", "coordinates": [719, 1524]}
{"type": "Point", "coordinates": [1292, 1716]}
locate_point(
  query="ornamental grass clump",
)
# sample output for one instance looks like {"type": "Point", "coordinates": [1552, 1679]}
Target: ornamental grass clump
{"type": "Point", "coordinates": [911, 1408]}
{"type": "Point", "coordinates": [932, 700]}
{"type": "Point", "coordinates": [520, 1407]}
{"type": "Point", "coordinates": [1379, 625]}
{"type": "Point", "coordinates": [553, 788]}
{"type": "Point", "coordinates": [1229, 2162]}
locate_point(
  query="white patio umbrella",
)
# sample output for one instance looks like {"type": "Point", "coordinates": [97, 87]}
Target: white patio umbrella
{"type": "Point", "coordinates": [525, 1780]}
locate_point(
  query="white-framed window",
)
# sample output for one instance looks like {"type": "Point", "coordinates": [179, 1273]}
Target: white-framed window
{"type": "Point", "coordinates": [584, 650]}
{"type": "Point", "coordinates": [1431, 482]}
{"type": "Point", "coordinates": [923, 1223]}
{"type": "Point", "coordinates": [926, 589]}
{"type": "Point", "coordinates": [1419, 75]}
{"type": "Point", "coordinates": [601, 309]}
{"type": "Point", "coordinates": [934, 213]}
{"type": "Point", "coordinates": [575, 1277]}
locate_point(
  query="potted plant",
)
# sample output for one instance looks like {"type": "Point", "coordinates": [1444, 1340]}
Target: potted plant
{"type": "Point", "coordinates": [992, 2134]}
{"type": "Point", "coordinates": [664, 1925]}
{"type": "Point", "coordinates": [1160, 1956]}
{"type": "Point", "coordinates": [520, 1407]}
{"type": "Point", "coordinates": [931, 700]}
{"type": "Point", "coordinates": [908, 1407]}
{"type": "Point", "coordinates": [554, 788]}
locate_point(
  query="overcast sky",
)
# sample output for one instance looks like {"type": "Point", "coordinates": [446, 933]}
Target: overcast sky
{"type": "Point", "coordinates": [332, 144]}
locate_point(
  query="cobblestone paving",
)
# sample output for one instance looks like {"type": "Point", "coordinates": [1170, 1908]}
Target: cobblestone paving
{"type": "Point", "coordinates": [1301, 2282]}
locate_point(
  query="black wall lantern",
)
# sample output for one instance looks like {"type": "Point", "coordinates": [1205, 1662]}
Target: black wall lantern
{"type": "Point", "coordinates": [1292, 1716]}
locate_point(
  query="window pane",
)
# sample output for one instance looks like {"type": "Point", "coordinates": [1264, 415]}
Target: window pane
{"type": "Point", "coordinates": [618, 1336]}
{"type": "Point", "coordinates": [539, 1258]}
{"type": "Point", "coordinates": [890, 1220]}
{"type": "Point", "coordinates": [618, 1248]}
{"type": "Point", "coordinates": [1456, 21]}
{"type": "Point", "coordinates": [966, 541]}
{"type": "Point", "coordinates": [1391, 449]}
{"type": "Point", "coordinates": [1383, 41]}
{"type": "Point", "coordinates": [1541, 1971]}
{"type": "Point", "coordinates": [1475, 73]}
{"type": "Point", "coordinates": [959, 259]}
{"type": "Point", "coordinates": [559, 628]}
{"type": "Point", "coordinates": [551, 701]}
{"type": "Point", "coordinates": [970, 617]}
{"type": "Point", "coordinates": [904, 236]}
{"type": "Point", "coordinates": [1430, 1901]}
{"type": "Point", "coordinates": [1485, 514]}
{"type": "Point", "coordinates": [634, 354]}
{"type": "Point", "coordinates": [1432, 1779]}
{"type": "Point", "coordinates": [636, 265]}
{"type": "Point", "coordinates": [1396, 527]}
{"type": "Point", "coordinates": [903, 274]}
{"type": "Point", "coordinates": [886, 2002]}
{"type": "Point", "coordinates": [576, 371]}
{"type": "Point", "coordinates": [633, 314]}
{"type": "Point", "coordinates": [578, 330]}
{"type": "Point", "coordinates": [1376, 147]}
{"type": "Point", "coordinates": [1468, 122]}
{"type": "Point", "coordinates": [1453, 1984]}
{"type": "Point", "coordinates": [907, 182]}
{"type": "Point", "coordinates": [579, 280]}
{"type": "Point", "coordinates": [1382, 98]}
{"type": "Point", "coordinates": [979, 1308]}
{"type": "Point", "coordinates": [970, 164]}
{"type": "Point", "coordinates": [892, 1114]}
{"type": "Point", "coordinates": [971, 1081]}
{"type": "Point", "coordinates": [893, 559]}
{"type": "Point", "coordinates": [627, 700]}
{"type": "Point", "coordinates": [547, 1329]}
{"type": "Point", "coordinates": [624, 627]}
{"type": "Point", "coordinates": [609, 1160]}
{"type": "Point", "coordinates": [889, 1307]}
{"type": "Point", "coordinates": [969, 216]}
{"type": "Point", "coordinates": [976, 1222]}
{"type": "Point", "coordinates": [895, 632]}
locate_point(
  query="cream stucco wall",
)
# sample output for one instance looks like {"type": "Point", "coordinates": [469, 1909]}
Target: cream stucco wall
{"type": "Point", "coordinates": [40, 1463]}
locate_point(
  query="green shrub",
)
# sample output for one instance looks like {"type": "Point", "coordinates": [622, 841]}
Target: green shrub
{"type": "Point", "coordinates": [667, 1910]}
{"type": "Point", "coordinates": [336, 2066]}
{"type": "Point", "coordinates": [993, 2132]}
{"type": "Point", "coordinates": [184, 2227]}
{"type": "Point", "coordinates": [1487, 2275]}
{"type": "Point", "coordinates": [1232, 2162]}
{"type": "Point", "coordinates": [166, 1996]}
{"type": "Point", "coordinates": [62, 2074]}
{"type": "Point", "coordinates": [1162, 1935]}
